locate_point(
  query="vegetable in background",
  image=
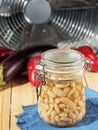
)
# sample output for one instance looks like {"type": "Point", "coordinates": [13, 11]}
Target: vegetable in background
{"type": "Point", "coordinates": [88, 52]}
{"type": "Point", "coordinates": [31, 70]}
{"type": "Point", "coordinates": [85, 47]}
{"type": "Point", "coordinates": [5, 52]}
{"type": "Point", "coordinates": [10, 66]}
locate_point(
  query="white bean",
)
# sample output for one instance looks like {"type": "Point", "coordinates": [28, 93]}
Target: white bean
{"type": "Point", "coordinates": [58, 92]}
{"type": "Point", "coordinates": [56, 107]}
{"type": "Point", "coordinates": [72, 115]}
{"type": "Point", "coordinates": [53, 115]}
{"type": "Point", "coordinates": [51, 94]}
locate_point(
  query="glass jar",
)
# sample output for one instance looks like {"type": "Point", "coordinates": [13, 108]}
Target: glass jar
{"type": "Point", "coordinates": [61, 98]}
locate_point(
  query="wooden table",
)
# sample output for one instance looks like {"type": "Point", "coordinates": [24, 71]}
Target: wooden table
{"type": "Point", "coordinates": [20, 92]}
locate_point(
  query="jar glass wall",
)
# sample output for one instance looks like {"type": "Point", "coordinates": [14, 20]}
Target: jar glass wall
{"type": "Point", "coordinates": [62, 99]}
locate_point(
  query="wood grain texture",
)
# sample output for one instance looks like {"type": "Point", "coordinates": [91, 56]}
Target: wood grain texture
{"type": "Point", "coordinates": [5, 104]}
{"type": "Point", "coordinates": [92, 80]}
{"type": "Point", "coordinates": [22, 94]}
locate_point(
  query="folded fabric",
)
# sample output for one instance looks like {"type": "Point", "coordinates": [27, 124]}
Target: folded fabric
{"type": "Point", "coordinates": [29, 119]}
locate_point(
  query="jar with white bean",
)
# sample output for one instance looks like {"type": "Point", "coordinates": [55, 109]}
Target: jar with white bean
{"type": "Point", "coordinates": [61, 101]}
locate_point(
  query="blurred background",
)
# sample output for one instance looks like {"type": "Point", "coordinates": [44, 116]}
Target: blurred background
{"type": "Point", "coordinates": [64, 23]}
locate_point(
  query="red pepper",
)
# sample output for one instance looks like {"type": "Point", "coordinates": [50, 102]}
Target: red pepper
{"type": "Point", "coordinates": [85, 47]}
{"type": "Point", "coordinates": [88, 52]}
{"type": "Point", "coordinates": [5, 52]}
{"type": "Point", "coordinates": [31, 70]}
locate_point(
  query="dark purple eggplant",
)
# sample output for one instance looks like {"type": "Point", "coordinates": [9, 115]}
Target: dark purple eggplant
{"type": "Point", "coordinates": [14, 63]}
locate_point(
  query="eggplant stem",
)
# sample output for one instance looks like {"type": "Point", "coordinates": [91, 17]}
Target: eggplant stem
{"type": "Point", "coordinates": [1, 76]}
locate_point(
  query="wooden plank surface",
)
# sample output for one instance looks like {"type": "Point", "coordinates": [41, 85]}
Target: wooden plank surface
{"type": "Point", "coordinates": [92, 80]}
{"type": "Point", "coordinates": [23, 93]}
{"type": "Point", "coordinates": [5, 99]}
{"type": "Point", "coordinates": [20, 92]}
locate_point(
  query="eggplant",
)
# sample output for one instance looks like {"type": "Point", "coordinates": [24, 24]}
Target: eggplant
{"type": "Point", "coordinates": [10, 66]}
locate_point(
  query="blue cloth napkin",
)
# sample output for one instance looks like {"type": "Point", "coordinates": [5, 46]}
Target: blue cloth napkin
{"type": "Point", "coordinates": [29, 119]}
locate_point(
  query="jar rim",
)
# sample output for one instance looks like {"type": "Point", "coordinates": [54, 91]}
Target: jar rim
{"type": "Point", "coordinates": [61, 67]}
{"type": "Point", "coordinates": [62, 57]}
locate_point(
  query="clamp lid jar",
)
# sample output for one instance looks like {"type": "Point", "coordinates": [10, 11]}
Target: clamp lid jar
{"type": "Point", "coordinates": [62, 101]}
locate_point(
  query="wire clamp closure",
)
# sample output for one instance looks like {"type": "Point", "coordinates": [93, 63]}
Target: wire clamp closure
{"type": "Point", "coordinates": [43, 82]}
